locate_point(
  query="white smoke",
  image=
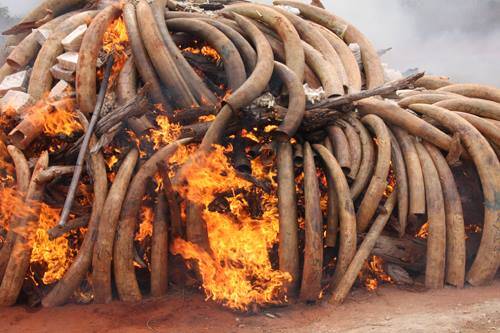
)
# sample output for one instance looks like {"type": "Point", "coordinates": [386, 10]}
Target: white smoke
{"type": "Point", "coordinates": [457, 38]}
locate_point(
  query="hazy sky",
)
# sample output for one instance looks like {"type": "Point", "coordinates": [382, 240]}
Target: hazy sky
{"type": "Point", "coordinates": [458, 38]}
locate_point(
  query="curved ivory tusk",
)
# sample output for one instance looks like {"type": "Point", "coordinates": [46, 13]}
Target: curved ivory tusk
{"type": "Point", "coordinates": [292, 44]}
{"type": "Point", "coordinates": [342, 288]}
{"type": "Point", "coordinates": [28, 48]}
{"type": "Point", "coordinates": [347, 215]}
{"type": "Point", "coordinates": [199, 89]}
{"type": "Point", "coordinates": [399, 166]}
{"type": "Point", "coordinates": [19, 259]}
{"type": "Point", "coordinates": [317, 41]}
{"type": "Point", "coordinates": [178, 91]}
{"type": "Point", "coordinates": [371, 61]}
{"type": "Point", "coordinates": [141, 58]}
{"type": "Point", "coordinates": [476, 106]}
{"type": "Point", "coordinates": [23, 180]}
{"type": "Point", "coordinates": [123, 255]}
{"type": "Point", "coordinates": [432, 82]}
{"type": "Point", "coordinates": [341, 149]}
{"type": "Point", "coordinates": [455, 231]}
{"type": "Point", "coordinates": [486, 263]}
{"type": "Point", "coordinates": [367, 161]}
{"type": "Point", "coordinates": [287, 206]}
{"type": "Point", "coordinates": [296, 101]}
{"type": "Point", "coordinates": [250, 90]}
{"type": "Point", "coordinates": [436, 217]}
{"type": "Point", "coordinates": [41, 78]}
{"type": "Point", "coordinates": [474, 91]}
{"type": "Point", "coordinates": [313, 252]}
{"type": "Point", "coordinates": [78, 270]}
{"type": "Point", "coordinates": [233, 64]}
{"type": "Point", "coordinates": [54, 7]}
{"type": "Point", "coordinates": [86, 75]}
{"type": "Point", "coordinates": [355, 147]}
{"type": "Point", "coordinates": [126, 90]}
{"type": "Point", "coordinates": [415, 176]}
{"type": "Point", "coordinates": [375, 191]}
{"type": "Point", "coordinates": [406, 120]}
{"type": "Point", "coordinates": [487, 128]}
{"type": "Point", "coordinates": [103, 249]}
{"type": "Point", "coordinates": [423, 99]}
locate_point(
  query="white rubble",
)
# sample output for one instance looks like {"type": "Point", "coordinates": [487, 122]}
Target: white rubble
{"type": "Point", "coordinates": [41, 35]}
{"type": "Point", "coordinates": [73, 41]}
{"type": "Point", "coordinates": [68, 61]}
{"type": "Point", "coordinates": [16, 101]}
{"type": "Point", "coordinates": [314, 95]}
{"type": "Point", "coordinates": [60, 73]}
{"type": "Point", "coordinates": [61, 89]}
{"type": "Point", "coordinates": [17, 81]}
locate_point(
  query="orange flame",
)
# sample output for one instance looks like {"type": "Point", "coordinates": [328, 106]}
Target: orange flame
{"type": "Point", "coordinates": [374, 273]}
{"type": "Point", "coordinates": [56, 255]}
{"type": "Point", "coordinates": [116, 42]}
{"type": "Point", "coordinates": [206, 51]}
{"type": "Point", "coordinates": [146, 226]}
{"type": "Point", "coordinates": [238, 271]}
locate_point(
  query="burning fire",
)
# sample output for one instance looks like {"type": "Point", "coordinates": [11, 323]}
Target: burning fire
{"type": "Point", "coordinates": [116, 42]}
{"type": "Point", "coordinates": [56, 255]}
{"type": "Point", "coordinates": [57, 116]}
{"type": "Point", "coordinates": [374, 273]}
{"type": "Point", "coordinates": [238, 271]}
{"type": "Point", "coordinates": [146, 226]}
{"type": "Point", "coordinates": [206, 51]}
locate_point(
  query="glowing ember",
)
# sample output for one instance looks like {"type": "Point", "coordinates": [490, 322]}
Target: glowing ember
{"type": "Point", "coordinates": [238, 272]}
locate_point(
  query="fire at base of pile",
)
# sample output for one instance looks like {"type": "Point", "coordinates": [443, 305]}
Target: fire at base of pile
{"type": "Point", "coordinates": [240, 148]}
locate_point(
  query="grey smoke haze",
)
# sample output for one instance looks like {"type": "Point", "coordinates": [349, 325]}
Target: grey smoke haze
{"type": "Point", "coordinates": [457, 38]}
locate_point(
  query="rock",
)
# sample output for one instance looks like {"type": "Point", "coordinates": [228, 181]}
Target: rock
{"type": "Point", "coordinates": [16, 101]}
{"type": "Point", "coordinates": [17, 81]}
{"type": "Point", "coordinates": [73, 41]}
{"type": "Point", "coordinates": [68, 61]}
{"type": "Point", "coordinates": [61, 89]}
{"type": "Point", "coordinates": [60, 73]}
{"type": "Point", "coordinates": [41, 35]}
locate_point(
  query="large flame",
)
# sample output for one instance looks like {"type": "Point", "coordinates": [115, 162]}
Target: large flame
{"type": "Point", "coordinates": [55, 255]}
{"type": "Point", "coordinates": [238, 271]}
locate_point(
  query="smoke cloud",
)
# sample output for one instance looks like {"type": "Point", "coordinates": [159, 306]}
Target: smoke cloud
{"type": "Point", "coordinates": [456, 38]}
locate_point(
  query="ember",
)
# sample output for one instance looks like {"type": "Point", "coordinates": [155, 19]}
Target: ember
{"type": "Point", "coordinates": [273, 169]}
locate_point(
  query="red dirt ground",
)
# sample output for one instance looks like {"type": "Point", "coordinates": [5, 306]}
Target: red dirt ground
{"type": "Point", "coordinates": [389, 309]}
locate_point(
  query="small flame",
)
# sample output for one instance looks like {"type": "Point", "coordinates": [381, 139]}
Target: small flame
{"type": "Point", "coordinates": [116, 42]}
{"type": "Point", "coordinates": [146, 225]}
{"type": "Point", "coordinates": [206, 51]}
{"type": "Point", "coordinates": [373, 273]}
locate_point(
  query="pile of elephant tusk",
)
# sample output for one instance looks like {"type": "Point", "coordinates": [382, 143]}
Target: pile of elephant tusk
{"type": "Point", "coordinates": [258, 151]}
